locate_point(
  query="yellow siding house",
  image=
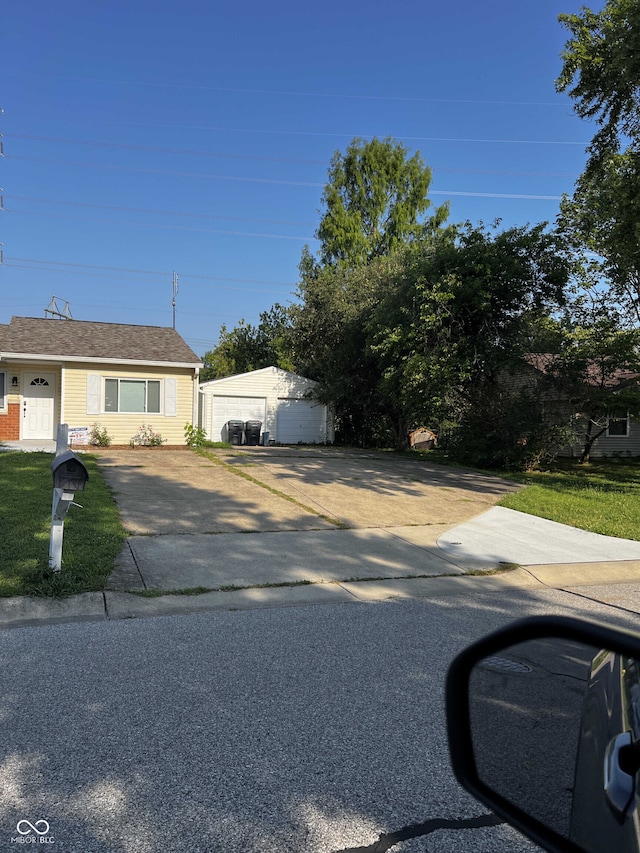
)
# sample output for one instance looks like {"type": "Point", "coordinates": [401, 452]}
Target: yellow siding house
{"type": "Point", "coordinates": [84, 373]}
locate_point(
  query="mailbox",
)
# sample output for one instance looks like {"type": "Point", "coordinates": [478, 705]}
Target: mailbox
{"type": "Point", "coordinates": [69, 472]}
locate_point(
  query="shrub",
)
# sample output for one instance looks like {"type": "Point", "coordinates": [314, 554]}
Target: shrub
{"type": "Point", "coordinates": [99, 436]}
{"type": "Point", "coordinates": [505, 431]}
{"type": "Point", "coordinates": [194, 436]}
{"type": "Point", "coordinates": [147, 437]}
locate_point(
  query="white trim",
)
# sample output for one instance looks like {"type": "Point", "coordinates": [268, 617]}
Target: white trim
{"type": "Point", "coordinates": [276, 371]}
{"type": "Point", "coordinates": [119, 379]}
{"type": "Point", "coordinates": [87, 359]}
{"type": "Point", "coordinates": [627, 434]}
{"type": "Point", "coordinates": [62, 386]}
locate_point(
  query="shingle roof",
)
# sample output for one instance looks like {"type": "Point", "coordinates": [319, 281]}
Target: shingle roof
{"type": "Point", "coordinates": [94, 341]}
{"type": "Point", "coordinates": [546, 363]}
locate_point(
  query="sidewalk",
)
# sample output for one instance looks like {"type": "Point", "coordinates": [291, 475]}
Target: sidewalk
{"type": "Point", "coordinates": [339, 566]}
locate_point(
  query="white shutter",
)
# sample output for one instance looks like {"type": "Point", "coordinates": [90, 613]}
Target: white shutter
{"type": "Point", "coordinates": [93, 394]}
{"type": "Point", "coordinates": [170, 397]}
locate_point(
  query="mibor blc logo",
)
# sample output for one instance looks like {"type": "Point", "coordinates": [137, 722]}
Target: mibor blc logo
{"type": "Point", "coordinates": [33, 833]}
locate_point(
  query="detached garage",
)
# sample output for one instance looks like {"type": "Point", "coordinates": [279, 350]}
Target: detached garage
{"type": "Point", "coordinates": [282, 401]}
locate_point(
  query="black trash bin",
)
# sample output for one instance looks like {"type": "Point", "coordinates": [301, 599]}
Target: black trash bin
{"type": "Point", "coordinates": [252, 432]}
{"type": "Point", "coordinates": [235, 432]}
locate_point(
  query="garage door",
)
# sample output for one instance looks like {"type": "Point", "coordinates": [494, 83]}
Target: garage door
{"type": "Point", "coordinates": [301, 421]}
{"type": "Point", "coordinates": [235, 409]}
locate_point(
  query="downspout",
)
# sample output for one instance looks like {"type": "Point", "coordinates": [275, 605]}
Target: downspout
{"type": "Point", "coordinates": [194, 397]}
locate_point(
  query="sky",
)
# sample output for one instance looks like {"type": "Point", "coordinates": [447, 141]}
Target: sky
{"type": "Point", "coordinates": [145, 139]}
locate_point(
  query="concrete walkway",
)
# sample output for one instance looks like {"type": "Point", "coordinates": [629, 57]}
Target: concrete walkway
{"type": "Point", "coordinates": [281, 527]}
{"type": "Point", "coordinates": [395, 557]}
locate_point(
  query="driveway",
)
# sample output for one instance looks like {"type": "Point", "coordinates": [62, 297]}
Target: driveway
{"type": "Point", "coordinates": [322, 514]}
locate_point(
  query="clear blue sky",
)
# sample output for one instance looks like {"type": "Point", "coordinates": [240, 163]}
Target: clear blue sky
{"type": "Point", "coordinates": [145, 138]}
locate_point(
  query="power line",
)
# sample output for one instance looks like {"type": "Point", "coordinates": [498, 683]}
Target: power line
{"type": "Point", "coordinates": [297, 133]}
{"type": "Point", "coordinates": [166, 172]}
{"type": "Point", "coordinates": [289, 93]}
{"type": "Point", "coordinates": [267, 236]}
{"type": "Point", "coordinates": [116, 277]}
{"type": "Point", "coordinates": [497, 195]}
{"type": "Point", "coordinates": [123, 208]}
{"type": "Point", "coordinates": [162, 273]}
{"type": "Point", "coordinates": [221, 231]}
{"type": "Point", "coordinates": [99, 143]}
{"type": "Point", "coordinates": [495, 172]}
{"type": "Point", "coordinates": [155, 211]}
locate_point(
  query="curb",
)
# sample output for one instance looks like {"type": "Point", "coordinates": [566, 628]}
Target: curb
{"type": "Point", "coordinates": [24, 611]}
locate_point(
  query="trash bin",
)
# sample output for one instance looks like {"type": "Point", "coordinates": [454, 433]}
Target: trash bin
{"type": "Point", "coordinates": [252, 433]}
{"type": "Point", "coordinates": [265, 439]}
{"type": "Point", "coordinates": [235, 432]}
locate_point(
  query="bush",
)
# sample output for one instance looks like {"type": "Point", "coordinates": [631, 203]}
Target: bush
{"type": "Point", "coordinates": [194, 436]}
{"type": "Point", "coordinates": [146, 437]}
{"type": "Point", "coordinates": [505, 431]}
{"type": "Point", "coordinates": [99, 436]}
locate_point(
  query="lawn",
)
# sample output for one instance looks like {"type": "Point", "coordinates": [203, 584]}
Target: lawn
{"type": "Point", "coordinates": [93, 536]}
{"type": "Point", "coordinates": [603, 496]}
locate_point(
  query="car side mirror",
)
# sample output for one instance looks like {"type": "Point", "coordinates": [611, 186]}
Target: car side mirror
{"type": "Point", "coordinates": [543, 722]}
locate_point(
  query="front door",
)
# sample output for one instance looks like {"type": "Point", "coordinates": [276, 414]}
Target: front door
{"type": "Point", "coordinates": [38, 405]}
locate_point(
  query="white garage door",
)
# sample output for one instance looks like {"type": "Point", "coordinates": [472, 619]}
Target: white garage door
{"type": "Point", "coordinates": [301, 421]}
{"type": "Point", "coordinates": [235, 409]}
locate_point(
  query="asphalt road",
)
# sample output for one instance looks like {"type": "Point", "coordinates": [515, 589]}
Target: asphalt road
{"type": "Point", "coordinates": [315, 729]}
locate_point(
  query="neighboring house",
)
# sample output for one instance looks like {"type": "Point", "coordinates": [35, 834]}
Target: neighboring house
{"type": "Point", "coordinates": [80, 373]}
{"type": "Point", "coordinates": [618, 433]}
{"type": "Point", "coordinates": [283, 402]}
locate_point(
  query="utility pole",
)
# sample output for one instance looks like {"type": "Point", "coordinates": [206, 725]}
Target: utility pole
{"type": "Point", "coordinates": [54, 310]}
{"type": "Point", "coordinates": [175, 293]}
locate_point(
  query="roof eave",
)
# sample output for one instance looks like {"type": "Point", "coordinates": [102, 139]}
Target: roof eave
{"type": "Point", "coordinates": [26, 356]}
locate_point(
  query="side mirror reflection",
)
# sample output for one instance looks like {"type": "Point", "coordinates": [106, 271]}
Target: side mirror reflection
{"type": "Point", "coordinates": [552, 740]}
{"type": "Point", "coordinates": [525, 707]}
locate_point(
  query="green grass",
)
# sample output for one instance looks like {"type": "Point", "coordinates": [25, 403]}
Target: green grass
{"type": "Point", "coordinates": [93, 536]}
{"type": "Point", "coordinates": [603, 496]}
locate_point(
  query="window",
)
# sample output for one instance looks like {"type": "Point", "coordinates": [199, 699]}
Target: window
{"type": "Point", "coordinates": [132, 395]}
{"type": "Point", "coordinates": [3, 391]}
{"type": "Point", "coordinates": [618, 425]}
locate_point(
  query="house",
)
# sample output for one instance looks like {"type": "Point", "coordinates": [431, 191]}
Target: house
{"type": "Point", "coordinates": [77, 372]}
{"type": "Point", "coordinates": [618, 434]}
{"type": "Point", "coordinates": [283, 402]}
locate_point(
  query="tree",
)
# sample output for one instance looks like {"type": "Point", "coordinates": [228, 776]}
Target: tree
{"type": "Point", "coordinates": [460, 314]}
{"type": "Point", "coordinates": [597, 368]}
{"type": "Point", "coordinates": [373, 202]}
{"type": "Point", "coordinates": [248, 347]}
{"type": "Point", "coordinates": [416, 337]}
{"type": "Point", "coordinates": [601, 71]}
{"type": "Point", "coordinates": [329, 345]}
{"type": "Point", "coordinates": [604, 217]}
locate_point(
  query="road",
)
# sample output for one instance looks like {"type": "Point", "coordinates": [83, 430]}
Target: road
{"type": "Point", "coordinates": [300, 729]}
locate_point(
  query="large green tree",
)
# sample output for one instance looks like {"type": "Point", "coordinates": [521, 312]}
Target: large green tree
{"type": "Point", "coordinates": [374, 202]}
{"type": "Point", "coordinates": [459, 318]}
{"type": "Point", "coordinates": [415, 337]}
{"type": "Point", "coordinates": [604, 217]}
{"type": "Point", "coordinates": [601, 73]}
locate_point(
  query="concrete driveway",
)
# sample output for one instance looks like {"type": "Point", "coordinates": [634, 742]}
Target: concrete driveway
{"type": "Point", "coordinates": [305, 515]}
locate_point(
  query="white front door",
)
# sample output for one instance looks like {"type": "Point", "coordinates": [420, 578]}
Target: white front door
{"type": "Point", "coordinates": [38, 405]}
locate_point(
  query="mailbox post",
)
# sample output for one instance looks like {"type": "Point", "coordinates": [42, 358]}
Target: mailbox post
{"type": "Point", "coordinates": [69, 476]}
